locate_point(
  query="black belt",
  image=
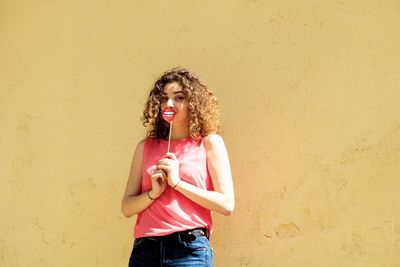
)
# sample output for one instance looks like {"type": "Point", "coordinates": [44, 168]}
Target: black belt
{"type": "Point", "coordinates": [188, 235]}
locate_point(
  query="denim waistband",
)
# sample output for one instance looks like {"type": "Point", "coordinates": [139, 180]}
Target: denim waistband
{"type": "Point", "coordinates": [188, 235]}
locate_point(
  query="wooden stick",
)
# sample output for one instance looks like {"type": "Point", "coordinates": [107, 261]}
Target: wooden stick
{"type": "Point", "coordinates": [169, 138]}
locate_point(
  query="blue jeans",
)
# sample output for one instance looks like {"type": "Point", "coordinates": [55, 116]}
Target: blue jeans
{"type": "Point", "coordinates": [171, 251]}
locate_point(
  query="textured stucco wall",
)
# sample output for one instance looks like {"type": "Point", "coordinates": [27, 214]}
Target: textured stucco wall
{"type": "Point", "coordinates": [309, 94]}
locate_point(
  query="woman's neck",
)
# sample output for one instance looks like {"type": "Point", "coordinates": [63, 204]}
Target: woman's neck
{"type": "Point", "coordinates": [179, 131]}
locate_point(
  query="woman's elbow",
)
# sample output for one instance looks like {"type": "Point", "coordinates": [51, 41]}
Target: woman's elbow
{"type": "Point", "coordinates": [227, 212]}
{"type": "Point", "coordinates": [229, 209]}
{"type": "Point", "coordinates": [126, 215]}
{"type": "Point", "coordinates": [125, 212]}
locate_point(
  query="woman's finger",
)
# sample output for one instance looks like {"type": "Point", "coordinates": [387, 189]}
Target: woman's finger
{"type": "Point", "coordinates": [171, 156]}
{"type": "Point", "coordinates": [165, 169]}
{"type": "Point", "coordinates": [158, 174]}
{"type": "Point", "coordinates": [164, 162]}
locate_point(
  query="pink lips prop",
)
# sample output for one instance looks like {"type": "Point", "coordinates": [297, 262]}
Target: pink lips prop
{"type": "Point", "coordinates": [168, 114]}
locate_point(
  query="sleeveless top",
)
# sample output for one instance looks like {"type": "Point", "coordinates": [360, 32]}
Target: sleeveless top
{"type": "Point", "coordinates": [172, 211]}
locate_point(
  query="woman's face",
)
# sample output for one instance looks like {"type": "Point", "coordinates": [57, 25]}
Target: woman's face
{"type": "Point", "coordinates": [173, 97]}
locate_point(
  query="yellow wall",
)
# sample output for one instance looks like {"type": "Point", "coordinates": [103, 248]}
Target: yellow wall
{"type": "Point", "coordinates": [309, 94]}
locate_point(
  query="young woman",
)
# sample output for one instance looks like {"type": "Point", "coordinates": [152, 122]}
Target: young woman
{"type": "Point", "coordinates": [174, 194]}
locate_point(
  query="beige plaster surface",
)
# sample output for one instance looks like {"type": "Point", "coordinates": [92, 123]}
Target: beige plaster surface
{"type": "Point", "coordinates": [309, 94]}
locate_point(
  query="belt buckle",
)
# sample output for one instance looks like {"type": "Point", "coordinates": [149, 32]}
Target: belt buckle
{"type": "Point", "coordinates": [193, 234]}
{"type": "Point", "coordinates": [197, 232]}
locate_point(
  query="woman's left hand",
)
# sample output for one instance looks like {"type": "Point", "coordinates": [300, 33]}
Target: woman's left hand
{"type": "Point", "coordinates": [170, 165]}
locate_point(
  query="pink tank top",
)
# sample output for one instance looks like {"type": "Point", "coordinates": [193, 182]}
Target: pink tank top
{"type": "Point", "coordinates": [172, 211]}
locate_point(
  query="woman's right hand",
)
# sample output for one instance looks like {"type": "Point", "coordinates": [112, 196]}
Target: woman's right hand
{"type": "Point", "coordinates": [159, 183]}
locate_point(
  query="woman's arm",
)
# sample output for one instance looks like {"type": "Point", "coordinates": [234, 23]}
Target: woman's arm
{"type": "Point", "coordinates": [221, 200]}
{"type": "Point", "coordinates": [134, 201]}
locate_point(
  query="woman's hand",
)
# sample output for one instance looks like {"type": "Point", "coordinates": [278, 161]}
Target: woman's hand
{"type": "Point", "coordinates": [221, 198]}
{"type": "Point", "coordinates": [158, 183]}
{"type": "Point", "coordinates": [170, 165]}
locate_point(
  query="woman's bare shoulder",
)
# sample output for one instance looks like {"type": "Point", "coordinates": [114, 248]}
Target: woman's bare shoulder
{"type": "Point", "coordinates": [140, 145]}
{"type": "Point", "coordinates": [213, 140]}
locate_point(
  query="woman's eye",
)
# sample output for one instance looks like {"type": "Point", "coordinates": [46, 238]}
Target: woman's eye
{"type": "Point", "coordinates": [180, 98]}
{"type": "Point", "coordinates": [163, 99]}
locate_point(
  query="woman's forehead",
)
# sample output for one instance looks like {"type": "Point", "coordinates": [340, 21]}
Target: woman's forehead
{"type": "Point", "coordinates": [172, 87]}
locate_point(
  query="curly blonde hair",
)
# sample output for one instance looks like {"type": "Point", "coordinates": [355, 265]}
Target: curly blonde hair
{"type": "Point", "coordinates": [202, 105]}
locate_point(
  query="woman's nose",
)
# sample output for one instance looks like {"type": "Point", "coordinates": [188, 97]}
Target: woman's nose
{"type": "Point", "coordinates": [170, 103]}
